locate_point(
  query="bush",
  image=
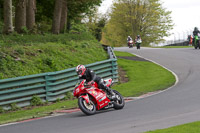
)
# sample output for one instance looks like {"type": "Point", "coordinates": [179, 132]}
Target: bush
{"type": "Point", "coordinates": [2, 110]}
{"type": "Point", "coordinates": [58, 100]}
{"type": "Point", "coordinates": [78, 28]}
{"type": "Point", "coordinates": [14, 107]}
{"type": "Point", "coordinates": [25, 30]}
{"type": "Point", "coordinates": [69, 96]}
{"type": "Point", "coordinates": [36, 101]}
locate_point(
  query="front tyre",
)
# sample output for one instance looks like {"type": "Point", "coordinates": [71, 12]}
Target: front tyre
{"type": "Point", "coordinates": [119, 102]}
{"type": "Point", "coordinates": [87, 108]}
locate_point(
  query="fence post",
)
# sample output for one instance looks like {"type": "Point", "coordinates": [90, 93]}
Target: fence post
{"type": "Point", "coordinates": [47, 87]}
{"type": "Point", "coordinates": [113, 69]}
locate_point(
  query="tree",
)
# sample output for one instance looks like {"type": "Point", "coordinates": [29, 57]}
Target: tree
{"type": "Point", "coordinates": [96, 23]}
{"type": "Point", "coordinates": [20, 15]}
{"type": "Point", "coordinates": [30, 14]}
{"type": "Point", "coordinates": [8, 23]}
{"type": "Point", "coordinates": [72, 10]}
{"type": "Point", "coordinates": [63, 20]}
{"type": "Point", "coordinates": [57, 17]}
{"type": "Point", "coordinates": [138, 17]}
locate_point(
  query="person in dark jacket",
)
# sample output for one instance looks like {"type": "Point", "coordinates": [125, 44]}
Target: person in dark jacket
{"type": "Point", "coordinates": [195, 34]}
{"type": "Point", "coordinates": [196, 31]}
{"type": "Point", "coordinates": [90, 76]}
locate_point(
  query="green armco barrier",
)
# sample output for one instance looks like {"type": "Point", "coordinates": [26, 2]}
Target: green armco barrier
{"type": "Point", "coordinates": [52, 85]}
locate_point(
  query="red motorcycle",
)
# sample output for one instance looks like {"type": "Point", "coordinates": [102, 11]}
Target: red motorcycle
{"type": "Point", "coordinates": [91, 98]}
{"type": "Point", "coordinates": [130, 43]}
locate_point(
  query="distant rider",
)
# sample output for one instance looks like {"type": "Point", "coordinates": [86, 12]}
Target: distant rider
{"type": "Point", "coordinates": [138, 38]}
{"type": "Point", "coordinates": [90, 77]}
{"type": "Point", "coordinates": [138, 41]}
{"type": "Point", "coordinates": [129, 39]}
{"type": "Point", "coordinates": [195, 33]}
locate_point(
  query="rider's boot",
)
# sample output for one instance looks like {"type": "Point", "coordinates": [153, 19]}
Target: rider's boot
{"type": "Point", "coordinates": [113, 95]}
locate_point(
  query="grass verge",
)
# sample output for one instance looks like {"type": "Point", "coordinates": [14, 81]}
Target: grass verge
{"type": "Point", "coordinates": [32, 112]}
{"type": "Point", "coordinates": [143, 77]}
{"type": "Point", "coordinates": [176, 47]}
{"type": "Point", "coordinates": [186, 128]}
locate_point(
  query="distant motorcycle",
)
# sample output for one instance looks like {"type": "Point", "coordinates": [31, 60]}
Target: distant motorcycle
{"type": "Point", "coordinates": [130, 43]}
{"type": "Point", "coordinates": [91, 98]}
{"type": "Point", "coordinates": [196, 42]}
{"type": "Point", "coordinates": [138, 43]}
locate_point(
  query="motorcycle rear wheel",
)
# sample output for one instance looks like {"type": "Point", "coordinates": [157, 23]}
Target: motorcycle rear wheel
{"type": "Point", "coordinates": [87, 108]}
{"type": "Point", "coordinates": [119, 103]}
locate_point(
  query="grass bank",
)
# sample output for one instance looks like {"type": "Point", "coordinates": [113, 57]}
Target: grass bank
{"type": "Point", "coordinates": [186, 128]}
{"type": "Point", "coordinates": [33, 54]}
{"type": "Point", "coordinates": [143, 77]}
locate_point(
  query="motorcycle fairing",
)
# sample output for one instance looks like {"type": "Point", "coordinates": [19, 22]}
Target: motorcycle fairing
{"type": "Point", "coordinates": [108, 82]}
{"type": "Point", "coordinates": [100, 97]}
{"type": "Point", "coordinates": [86, 97]}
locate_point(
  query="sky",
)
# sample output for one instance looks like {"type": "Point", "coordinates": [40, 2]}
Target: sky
{"type": "Point", "coordinates": [185, 15]}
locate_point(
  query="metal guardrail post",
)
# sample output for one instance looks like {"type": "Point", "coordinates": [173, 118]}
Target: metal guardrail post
{"type": "Point", "coordinates": [113, 69]}
{"type": "Point", "coordinates": [47, 87]}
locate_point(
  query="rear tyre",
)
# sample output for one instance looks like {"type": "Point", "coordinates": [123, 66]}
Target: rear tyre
{"type": "Point", "coordinates": [119, 102]}
{"type": "Point", "coordinates": [87, 108]}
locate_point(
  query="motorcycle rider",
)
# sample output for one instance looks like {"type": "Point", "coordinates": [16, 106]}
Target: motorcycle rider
{"type": "Point", "coordinates": [129, 39]}
{"type": "Point", "coordinates": [195, 33]}
{"type": "Point", "coordinates": [138, 40]}
{"type": "Point", "coordinates": [90, 77]}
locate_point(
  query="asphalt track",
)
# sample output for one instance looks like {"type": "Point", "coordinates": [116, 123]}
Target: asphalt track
{"type": "Point", "coordinates": [177, 105]}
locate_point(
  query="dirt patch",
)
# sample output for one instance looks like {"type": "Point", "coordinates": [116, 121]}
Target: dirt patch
{"type": "Point", "coordinates": [123, 78]}
{"type": "Point", "coordinates": [136, 58]}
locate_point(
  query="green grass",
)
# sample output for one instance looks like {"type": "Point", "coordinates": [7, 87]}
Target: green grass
{"type": "Point", "coordinates": [176, 47]}
{"type": "Point", "coordinates": [36, 112]}
{"type": "Point", "coordinates": [186, 128]}
{"type": "Point", "coordinates": [26, 57]}
{"type": "Point", "coordinates": [143, 77]}
{"type": "Point", "coordinates": [26, 39]}
{"type": "Point", "coordinates": [118, 53]}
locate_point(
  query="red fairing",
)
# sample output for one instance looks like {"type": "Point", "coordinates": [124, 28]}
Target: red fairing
{"type": "Point", "coordinates": [78, 89]}
{"type": "Point", "coordinates": [108, 82]}
{"type": "Point", "coordinates": [99, 97]}
{"type": "Point", "coordinates": [93, 93]}
{"type": "Point", "coordinates": [86, 98]}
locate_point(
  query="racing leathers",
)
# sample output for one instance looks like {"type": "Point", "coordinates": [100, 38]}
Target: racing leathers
{"type": "Point", "coordinates": [90, 75]}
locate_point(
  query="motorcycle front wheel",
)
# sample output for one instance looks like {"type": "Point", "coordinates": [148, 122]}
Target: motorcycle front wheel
{"type": "Point", "coordinates": [119, 102]}
{"type": "Point", "coordinates": [87, 108]}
